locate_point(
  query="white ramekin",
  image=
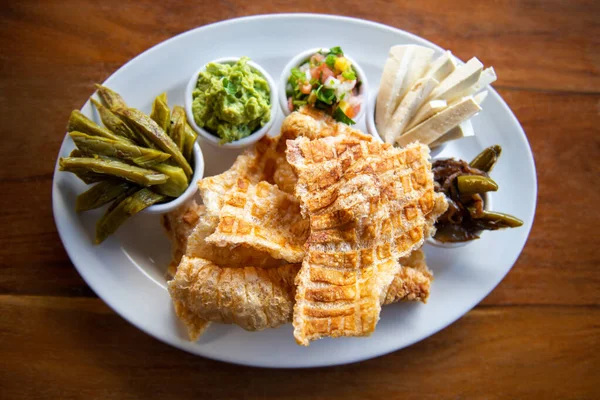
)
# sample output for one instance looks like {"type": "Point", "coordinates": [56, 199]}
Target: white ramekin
{"type": "Point", "coordinates": [300, 59]}
{"type": "Point", "coordinates": [487, 206]}
{"type": "Point", "coordinates": [215, 140]}
{"type": "Point", "coordinates": [198, 168]}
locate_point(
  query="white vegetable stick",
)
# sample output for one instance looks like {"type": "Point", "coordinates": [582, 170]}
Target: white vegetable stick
{"type": "Point", "coordinates": [480, 97]}
{"type": "Point", "coordinates": [487, 77]}
{"type": "Point", "coordinates": [441, 67]}
{"type": "Point", "coordinates": [428, 110]}
{"type": "Point", "coordinates": [394, 70]}
{"type": "Point", "coordinates": [463, 77]}
{"type": "Point", "coordinates": [397, 77]}
{"type": "Point", "coordinates": [407, 108]}
{"type": "Point", "coordinates": [432, 129]}
{"type": "Point", "coordinates": [464, 129]}
{"type": "Point", "coordinates": [421, 58]}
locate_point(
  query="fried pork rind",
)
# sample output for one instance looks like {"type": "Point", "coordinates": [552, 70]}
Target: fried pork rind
{"type": "Point", "coordinates": [253, 298]}
{"type": "Point", "coordinates": [194, 324]}
{"type": "Point", "coordinates": [369, 204]}
{"type": "Point", "coordinates": [261, 217]}
{"type": "Point", "coordinates": [313, 124]}
{"type": "Point", "coordinates": [264, 162]}
{"type": "Point", "coordinates": [252, 208]}
{"type": "Point", "coordinates": [233, 257]}
{"type": "Point", "coordinates": [178, 225]}
{"type": "Point", "coordinates": [412, 282]}
{"type": "Point", "coordinates": [237, 276]}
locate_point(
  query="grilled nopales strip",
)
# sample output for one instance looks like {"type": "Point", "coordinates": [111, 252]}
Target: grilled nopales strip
{"type": "Point", "coordinates": [101, 194]}
{"type": "Point", "coordinates": [81, 123]}
{"type": "Point", "coordinates": [146, 125]}
{"type": "Point", "coordinates": [112, 99]}
{"type": "Point", "coordinates": [141, 176]}
{"type": "Point", "coordinates": [177, 132]}
{"type": "Point", "coordinates": [188, 142]}
{"type": "Point", "coordinates": [115, 216]}
{"type": "Point", "coordinates": [117, 105]}
{"type": "Point", "coordinates": [113, 122]}
{"type": "Point", "coordinates": [160, 112]}
{"type": "Point", "coordinates": [140, 156]}
{"type": "Point", "coordinates": [177, 182]}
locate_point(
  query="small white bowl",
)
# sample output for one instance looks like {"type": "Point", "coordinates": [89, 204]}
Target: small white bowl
{"type": "Point", "coordinates": [215, 140]}
{"type": "Point", "coordinates": [300, 59]}
{"type": "Point", "coordinates": [487, 206]}
{"type": "Point", "coordinates": [198, 168]}
{"type": "Point", "coordinates": [372, 128]}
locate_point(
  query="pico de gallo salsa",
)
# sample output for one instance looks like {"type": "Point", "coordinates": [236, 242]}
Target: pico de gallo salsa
{"type": "Point", "coordinates": [328, 81]}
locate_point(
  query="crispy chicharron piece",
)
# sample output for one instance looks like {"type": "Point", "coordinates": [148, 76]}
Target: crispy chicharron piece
{"type": "Point", "coordinates": [264, 162]}
{"type": "Point", "coordinates": [261, 217]}
{"type": "Point", "coordinates": [188, 227]}
{"type": "Point", "coordinates": [268, 296]}
{"type": "Point", "coordinates": [235, 257]}
{"type": "Point", "coordinates": [311, 124]}
{"type": "Point", "coordinates": [251, 211]}
{"type": "Point", "coordinates": [178, 225]}
{"type": "Point", "coordinates": [314, 124]}
{"type": "Point", "coordinates": [369, 204]}
{"type": "Point", "coordinates": [194, 324]}
{"type": "Point", "coordinates": [214, 188]}
{"type": "Point", "coordinates": [253, 298]}
{"type": "Point", "coordinates": [412, 282]}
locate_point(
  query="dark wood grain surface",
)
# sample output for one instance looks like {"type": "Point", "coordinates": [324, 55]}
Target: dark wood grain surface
{"type": "Point", "coordinates": [536, 335]}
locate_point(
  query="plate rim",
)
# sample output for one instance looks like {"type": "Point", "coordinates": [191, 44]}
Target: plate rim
{"type": "Point", "coordinates": [75, 258]}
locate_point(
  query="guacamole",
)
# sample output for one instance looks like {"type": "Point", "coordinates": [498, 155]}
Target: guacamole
{"type": "Point", "coordinates": [231, 100]}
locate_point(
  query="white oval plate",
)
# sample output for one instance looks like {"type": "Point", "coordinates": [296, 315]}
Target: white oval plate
{"type": "Point", "coordinates": [127, 271]}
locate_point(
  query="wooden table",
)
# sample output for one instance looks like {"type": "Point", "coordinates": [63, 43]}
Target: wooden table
{"type": "Point", "coordinates": [537, 335]}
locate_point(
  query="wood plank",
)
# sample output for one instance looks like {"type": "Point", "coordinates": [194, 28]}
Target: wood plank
{"type": "Point", "coordinates": [561, 256]}
{"type": "Point", "coordinates": [77, 348]}
{"type": "Point", "coordinates": [558, 266]}
{"type": "Point", "coordinates": [532, 46]}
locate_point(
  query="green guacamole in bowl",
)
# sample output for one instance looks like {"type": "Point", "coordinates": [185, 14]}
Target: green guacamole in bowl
{"type": "Point", "coordinates": [231, 100]}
